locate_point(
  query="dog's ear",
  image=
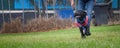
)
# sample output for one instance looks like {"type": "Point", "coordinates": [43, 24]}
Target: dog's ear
{"type": "Point", "coordinates": [76, 13]}
{"type": "Point", "coordinates": [84, 13]}
{"type": "Point", "coordinates": [80, 13]}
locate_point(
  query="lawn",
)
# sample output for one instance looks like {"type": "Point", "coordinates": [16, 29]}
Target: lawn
{"type": "Point", "coordinates": [102, 37]}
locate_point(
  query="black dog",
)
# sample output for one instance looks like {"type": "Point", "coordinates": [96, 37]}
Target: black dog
{"type": "Point", "coordinates": [82, 23]}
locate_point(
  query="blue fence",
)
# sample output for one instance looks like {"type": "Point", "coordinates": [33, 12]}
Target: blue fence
{"type": "Point", "coordinates": [115, 3]}
{"type": "Point", "coordinates": [58, 4]}
{"type": "Point", "coordinates": [7, 5]}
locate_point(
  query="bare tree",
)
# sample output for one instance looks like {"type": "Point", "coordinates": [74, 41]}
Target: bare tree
{"type": "Point", "coordinates": [37, 6]}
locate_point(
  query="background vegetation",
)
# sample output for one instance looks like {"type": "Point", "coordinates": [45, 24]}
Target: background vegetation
{"type": "Point", "coordinates": [102, 37]}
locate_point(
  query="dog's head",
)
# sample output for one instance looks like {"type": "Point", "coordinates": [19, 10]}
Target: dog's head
{"type": "Point", "coordinates": [80, 14]}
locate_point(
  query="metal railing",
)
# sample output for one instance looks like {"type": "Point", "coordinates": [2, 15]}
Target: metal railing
{"type": "Point", "coordinates": [29, 9]}
{"type": "Point", "coordinates": [34, 7]}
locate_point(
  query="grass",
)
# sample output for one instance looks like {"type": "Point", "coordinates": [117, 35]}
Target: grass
{"type": "Point", "coordinates": [102, 37]}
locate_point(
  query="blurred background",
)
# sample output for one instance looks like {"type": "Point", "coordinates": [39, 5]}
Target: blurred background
{"type": "Point", "coordinates": [105, 11]}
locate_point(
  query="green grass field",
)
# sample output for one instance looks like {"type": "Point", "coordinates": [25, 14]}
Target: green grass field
{"type": "Point", "coordinates": [102, 37]}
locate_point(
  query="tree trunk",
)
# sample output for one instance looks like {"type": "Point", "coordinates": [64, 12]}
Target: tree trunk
{"type": "Point", "coordinates": [37, 7]}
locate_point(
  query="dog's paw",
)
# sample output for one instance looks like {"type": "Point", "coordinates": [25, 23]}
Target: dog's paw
{"type": "Point", "coordinates": [88, 34]}
{"type": "Point", "coordinates": [83, 36]}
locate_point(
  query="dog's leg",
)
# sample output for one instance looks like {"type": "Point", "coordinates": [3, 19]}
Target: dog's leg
{"type": "Point", "coordinates": [87, 31]}
{"type": "Point", "coordinates": [82, 34]}
{"type": "Point", "coordinates": [84, 30]}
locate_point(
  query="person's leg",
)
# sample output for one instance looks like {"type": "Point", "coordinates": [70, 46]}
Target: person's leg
{"type": "Point", "coordinates": [81, 5]}
{"type": "Point", "coordinates": [89, 7]}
